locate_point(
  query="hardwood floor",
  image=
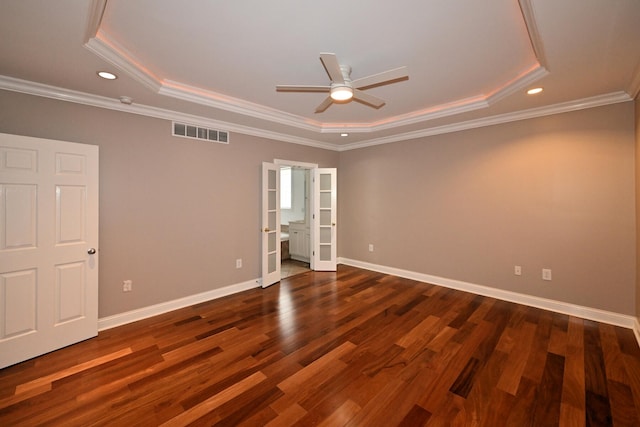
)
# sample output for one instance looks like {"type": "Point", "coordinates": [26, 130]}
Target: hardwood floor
{"type": "Point", "coordinates": [352, 348]}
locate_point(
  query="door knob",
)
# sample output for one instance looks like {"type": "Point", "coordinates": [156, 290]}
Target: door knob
{"type": "Point", "coordinates": [266, 230]}
{"type": "Point", "coordinates": [91, 251]}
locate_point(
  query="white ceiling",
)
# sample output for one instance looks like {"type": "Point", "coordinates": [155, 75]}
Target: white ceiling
{"type": "Point", "coordinates": [217, 63]}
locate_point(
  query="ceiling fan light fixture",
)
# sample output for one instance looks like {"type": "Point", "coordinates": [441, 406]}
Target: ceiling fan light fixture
{"type": "Point", "coordinates": [341, 93]}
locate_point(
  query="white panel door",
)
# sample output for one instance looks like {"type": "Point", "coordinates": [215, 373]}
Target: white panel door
{"type": "Point", "coordinates": [324, 235]}
{"type": "Point", "coordinates": [270, 229]}
{"type": "Point", "coordinates": [48, 241]}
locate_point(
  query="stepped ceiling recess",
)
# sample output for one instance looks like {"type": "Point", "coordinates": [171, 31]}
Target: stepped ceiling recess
{"type": "Point", "coordinates": [217, 63]}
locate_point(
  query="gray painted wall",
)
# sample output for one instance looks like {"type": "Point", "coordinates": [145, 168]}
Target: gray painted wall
{"type": "Point", "coordinates": [555, 192]}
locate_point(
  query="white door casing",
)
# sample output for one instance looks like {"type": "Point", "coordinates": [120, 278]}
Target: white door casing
{"type": "Point", "coordinates": [324, 220]}
{"type": "Point", "coordinates": [270, 229]}
{"type": "Point", "coordinates": [48, 245]}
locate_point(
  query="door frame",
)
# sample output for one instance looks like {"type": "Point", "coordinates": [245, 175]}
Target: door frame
{"type": "Point", "coordinates": [310, 167]}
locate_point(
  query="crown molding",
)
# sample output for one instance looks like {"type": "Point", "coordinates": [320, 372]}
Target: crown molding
{"type": "Point", "coordinates": [105, 47]}
{"type": "Point", "coordinates": [46, 91]}
{"type": "Point", "coordinates": [38, 89]}
{"type": "Point", "coordinates": [444, 110]}
{"type": "Point", "coordinates": [565, 107]}
{"type": "Point", "coordinates": [96, 12]}
{"type": "Point", "coordinates": [530, 22]}
{"type": "Point", "coordinates": [109, 50]}
{"type": "Point", "coordinates": [113, 53]}
{"type": "Point", "coordinates": [207, 98]}
{"type": "Point", "coordinates": [634, 86]}
{"type": "Point", "coordinates": [518, 84]}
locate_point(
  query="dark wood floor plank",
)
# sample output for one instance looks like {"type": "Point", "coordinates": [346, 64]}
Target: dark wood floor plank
{"type": "Point", "coordinates": [517, 361]}
{"type": "Point", "coordinates": [500, 403]}
{"type": "Point", "coordinates": [464, 382]}
{"type": "Point", "coordinates": [417, 416]}
{"type": "Point", "coordinates": [546, 410]}
{"type": "Point", "coordinates": [523, 406]}
{"type": "Point", "coordinates": [351, 347]}
{"type": "Point", "coordinates": [540, 345]}
{"type": "Point", "coordinates": [597, 397]}
{"type": "Point", "coordinates": [398, 407]}
{"type": "Point", "coordinates": [329, 400]}
{"type": "Point", "coordinates": [623, 408]}
{"type": "Point", "coordinates": [573, 405]}
{"type": "Point", "coordinates": [449, 363]}
{"type": "Point", "coordinates": [628, 342]}
{"type": "Point", "coordinates": [614, 365]}
{"type": "Point", "coordinates": [477, 403]}
{"type": "Point", "coordinates": [633, 371]}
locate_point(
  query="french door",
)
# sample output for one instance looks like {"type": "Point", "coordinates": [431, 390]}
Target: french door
{"type": "Point", "coordinates": [324, 233]}
{"type": "Point", "coordinates": [270, 229]}
{"type": "Point", "coordinates": [323, 221]}
{"type": "Point", "coordinates": [48, 245]}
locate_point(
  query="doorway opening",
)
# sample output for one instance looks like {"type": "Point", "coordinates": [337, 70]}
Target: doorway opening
{"type": "Point", "coordinates": [295, 219]}
{"type": "Point", "coordinates": [319, 219]}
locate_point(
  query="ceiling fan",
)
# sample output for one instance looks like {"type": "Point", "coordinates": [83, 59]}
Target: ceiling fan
{"type": "Point", "coordinates": [343, 89]}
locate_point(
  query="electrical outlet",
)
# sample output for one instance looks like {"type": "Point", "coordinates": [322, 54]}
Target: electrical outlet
{"type": "Point", "coordinates": [517, 270]}
{"type": "Point", "coordinates": [239, 263]}
{"type": "Point", "coordinates": [546, 274]}
{"type": "Point", "coordinates": [127, 286]}
{"type": "Point", "coordinates": [370, 247]}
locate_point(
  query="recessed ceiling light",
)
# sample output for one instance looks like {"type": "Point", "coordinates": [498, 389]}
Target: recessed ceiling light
{"type": "Point", "coordinates": [344, 134]}
{"type": "Point", "coordinates": [534, 91]}
{"type": "Point", "coordinates": [107, 75]}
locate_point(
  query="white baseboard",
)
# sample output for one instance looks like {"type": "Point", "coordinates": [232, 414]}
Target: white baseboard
{"type": "Point", "coordinates": [153, 310]}
{"type": "Point", "coordinates": [589, 313]}
{"type": "Point", "coordinates": [598, 315]}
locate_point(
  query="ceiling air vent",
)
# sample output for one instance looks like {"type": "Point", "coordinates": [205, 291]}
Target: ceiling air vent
{"type": "Point", "coordinates": [198, 132]}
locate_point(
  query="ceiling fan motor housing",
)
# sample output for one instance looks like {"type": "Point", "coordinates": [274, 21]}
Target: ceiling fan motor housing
{"type": "Point", "coordinates": [342, 91]}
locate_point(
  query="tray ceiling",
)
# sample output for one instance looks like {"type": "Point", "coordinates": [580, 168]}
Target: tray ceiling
{"type": "Point", "coordinates": [469, 63]}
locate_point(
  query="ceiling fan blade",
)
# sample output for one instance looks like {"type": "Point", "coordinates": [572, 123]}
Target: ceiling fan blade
{"type": "Point", "coordinates": [325, 104]}
{"type": "Point", "coordinates": [383, 78]}
{"type": "Point", "coordinates": [365, 98]}
{"type": "Point", "coordinates": [303, 88]}
{"type": "Point", "coordinates": [332, 67]}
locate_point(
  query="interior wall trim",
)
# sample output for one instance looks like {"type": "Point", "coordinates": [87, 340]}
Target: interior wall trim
{"type": "Point", "coordinates": [61, 94]}
{"type": "Point", "coordinates": [589, 313]}
{"type": "Point", "coordinates": [106, 47]}
{"type": "Point", "coordinates": [634, 84]}
{"type": "Point", "coordinates": [583, 312]}
{"type": "Point", "coordinates": [164, 307]}
{"type": "Point", "coordinates": [39, 89]}
{"type": "Point", "coordinates": [532, 113]}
